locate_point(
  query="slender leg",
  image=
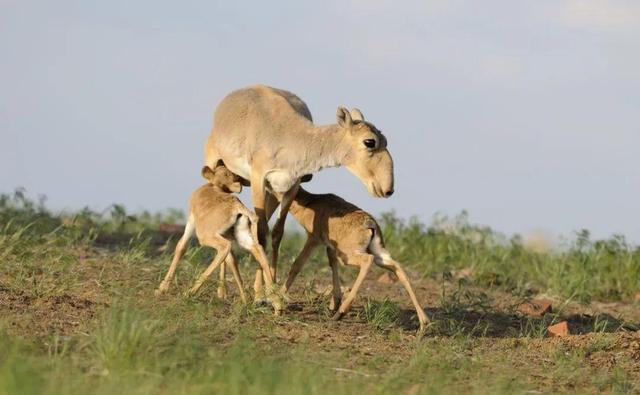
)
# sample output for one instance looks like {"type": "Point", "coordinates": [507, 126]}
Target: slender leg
{"type": "Point", "coordinates": [258, 198]}
{"type": "Point", "coordinates": [233, 265]}
{"type": "Point", "coordinates": [278, 228]}
{"type": "Point", "coordinates": [258, 288]}
{"type": "Point", "coordinates": [336, 295]}
{"type": "Point", "coordinates": [222, 284]}
{"type": "Point", "coordinates": [270, 204]}
{"type": "Point", "coordinates": [181, 247]}
{"type": "Point", "coordinates": [246, 229]}
{"type": "Point", "coordinates": [309, 245]}
{"type": "Point", "coordinates": [223, 246]}
{"type": "Point", "coordinates": [385, 261]}
{"type": "Point", "coordinates": [364, 261]}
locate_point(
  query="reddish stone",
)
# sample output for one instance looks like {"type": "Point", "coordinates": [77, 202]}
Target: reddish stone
{"type": "Point", "coordinates": [171, 228]}
{"type": "Point", "coordinates": [536, 307]}
{"type": "Point", "coordinates": [387, 278]}
{"type": "Point", "coordinates": [558, 330]}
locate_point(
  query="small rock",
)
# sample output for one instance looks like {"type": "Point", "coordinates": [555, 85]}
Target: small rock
{"type": "Point", "coordinates": [536, 307]}
{"type": "Point", "coordinates": [387, 278]}
{"type": "Point", "coordinates": [558, 330]}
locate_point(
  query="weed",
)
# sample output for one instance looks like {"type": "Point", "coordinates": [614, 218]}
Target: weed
{"type": "Point", "coordinates": [381, 315]}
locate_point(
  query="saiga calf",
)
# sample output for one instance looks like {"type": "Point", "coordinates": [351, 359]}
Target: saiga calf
{"type": "Point", "coordinates": [350, 235]}
{"type": "Point", "coordinates": [218, 218]}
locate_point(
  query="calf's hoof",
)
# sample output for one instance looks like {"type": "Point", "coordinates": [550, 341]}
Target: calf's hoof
{"type": "Point", "coordinates": [164, 287]}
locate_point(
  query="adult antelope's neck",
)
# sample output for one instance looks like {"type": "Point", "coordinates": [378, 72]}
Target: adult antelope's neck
{"type": "Point", "coordinates": [324, 147]}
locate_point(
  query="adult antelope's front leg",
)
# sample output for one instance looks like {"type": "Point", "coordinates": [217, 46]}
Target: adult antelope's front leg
{"type": "Point", "coordinates": [278, 228]}
{"type": "Point", "coordinates": [258, 197]}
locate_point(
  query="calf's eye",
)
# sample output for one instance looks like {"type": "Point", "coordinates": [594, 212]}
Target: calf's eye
{"type": "Point", "coordinates": [369, 143]}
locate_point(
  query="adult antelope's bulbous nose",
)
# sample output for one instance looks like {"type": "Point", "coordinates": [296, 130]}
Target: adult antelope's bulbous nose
{"type": "Point", "coordinates": [388, 193]}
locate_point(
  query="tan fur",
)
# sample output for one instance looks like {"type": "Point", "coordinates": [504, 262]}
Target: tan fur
{"type": "Point", "coordinates": [218, 218]}
{"type": "Point", "coordinates": [350, 235]}
{"type": "Point", "coordinates": [266, 136]}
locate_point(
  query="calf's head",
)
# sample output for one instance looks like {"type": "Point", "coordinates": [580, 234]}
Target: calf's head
{"type": "Point", "coordinates": [223, 178]}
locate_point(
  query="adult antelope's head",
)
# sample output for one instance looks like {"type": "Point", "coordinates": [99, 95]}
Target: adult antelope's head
{"type": "Point", "coordinates": [222, 178]}
{"type": "Point", "coordinates": [367, 155]}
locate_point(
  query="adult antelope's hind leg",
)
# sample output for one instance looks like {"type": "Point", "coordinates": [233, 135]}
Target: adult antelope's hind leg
{"type": "Point", "coordinates": [336, 292]}
{"type": "Point", "coordinates": [181, 247]}
{"type": "Point", "coordinates": [278, 228]}
{"type": "Point", "coordinates": [364, 261]}
{"type": "Point", "coordinates": [223, 247]}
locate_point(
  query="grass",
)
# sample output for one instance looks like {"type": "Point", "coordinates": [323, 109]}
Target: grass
{"type": "Point", "coordinates": [584, 269]}
{"type": "Point", "coordinates": [77, 315]}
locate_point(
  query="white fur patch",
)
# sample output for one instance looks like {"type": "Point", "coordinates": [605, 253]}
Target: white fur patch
{"type": "Point", "coordinates": [243, 233]}
{"type": "Point", "coordinates": [280, 181]}
{"type": "Point", "coordinates": [375, 246]}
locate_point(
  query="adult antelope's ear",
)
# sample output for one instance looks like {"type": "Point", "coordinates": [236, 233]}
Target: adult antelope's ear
{"type": "Point", "coordinates": [219, 163]}
{"type": "Point", "coordinates": [344, 118]}
{"type": "Point", "coordinates": [356, 115]}
{"type": "Point", "coordinates": [207, 173]}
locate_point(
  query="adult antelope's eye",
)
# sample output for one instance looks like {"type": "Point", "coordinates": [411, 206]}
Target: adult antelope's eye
{"type": "Point", "coordinates": [370, 143]}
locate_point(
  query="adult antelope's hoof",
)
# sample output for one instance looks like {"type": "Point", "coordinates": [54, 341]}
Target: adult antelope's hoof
{"type": "Point", "coordinates": [337, 316]}
{"type": "Point", "coordinates": [222, 293]}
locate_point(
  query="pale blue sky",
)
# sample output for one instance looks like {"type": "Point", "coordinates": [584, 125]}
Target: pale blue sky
{"type": "Point", "coordinates": [525, 113]}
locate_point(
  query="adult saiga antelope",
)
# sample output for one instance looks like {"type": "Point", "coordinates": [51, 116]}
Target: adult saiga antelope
{"type": "Point", "coordinates": [350, 235]}
{"type": "Point", "coordinates": [266, 135]}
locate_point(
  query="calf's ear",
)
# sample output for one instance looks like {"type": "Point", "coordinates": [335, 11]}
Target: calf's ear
{"type": "Point", "coordinates": [207, 173]}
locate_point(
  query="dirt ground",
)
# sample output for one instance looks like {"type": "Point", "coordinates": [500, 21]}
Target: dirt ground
{"type": "Point", "coordinates": [606, 333]}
